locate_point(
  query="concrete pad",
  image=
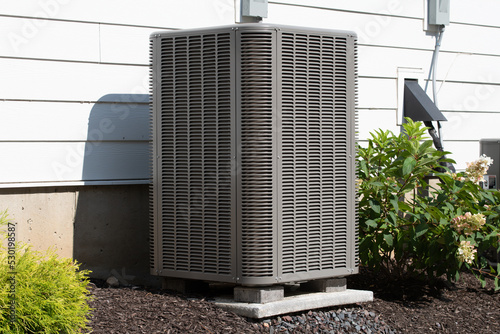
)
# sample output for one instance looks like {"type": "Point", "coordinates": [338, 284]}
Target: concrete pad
{"type": "Point", "coordinates": [295, 303]}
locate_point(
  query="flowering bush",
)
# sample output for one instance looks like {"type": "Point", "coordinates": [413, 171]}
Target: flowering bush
{"type": "Point", "coordinates": [416, 221]}
{"type": "Point", "coordinates": [468, 223]}
{"type": "Point", "coordinates": [466, 252]}
{"type": "Point", "coordinates": [476, 170]}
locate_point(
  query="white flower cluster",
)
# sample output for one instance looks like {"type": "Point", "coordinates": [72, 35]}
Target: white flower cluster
{"type": "Point", "coordinates": [476, 170]}
{"type": "Point", "coordinates": [466, 252]}
{"type": "Point", "coordinates": [468, 223]}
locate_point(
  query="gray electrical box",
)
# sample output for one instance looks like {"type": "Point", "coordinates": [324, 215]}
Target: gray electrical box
{"type": "Point", "coordinates": [439, 12]}
{"type": "Point", "coordinates": [254, 8]}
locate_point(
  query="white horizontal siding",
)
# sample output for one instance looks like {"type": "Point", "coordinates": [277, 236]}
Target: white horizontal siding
{"type": "Point", "coordinates": [64, 62]}
{"type": "Point", "coordinates": [149, 13]}
{"type": "Point", "coordinates": [67, 81]}
{"type": "Point", "coordinates": [42, 121]}
{"type": "Point", "coordinates": [74, 41]}
{"type": "Point", "coordinates": [380, 93]}
{"type": "Point", "coordinates": [462, 152]}
{"type": "Point", "coordinates": [462, 11]}
{"type": "Point", "coordinates": [390, 30]}
{"type": "Point", "coordinates": [480, 12]}
{"type": "Point", "coordinates": [468, 126]}
{"type": "Point", "coordinates": [388, 7]}
{"type": "Point", "coordinates": [371, 28]}
{"type": "Point", "coordinates": [53, 40]}
{"type": "Point", "coordinates": [460, 67]}
{"type": "Point", "coordinates": [456, 96]}
{"type": "Point", "coordinates": [73, 161]}
{"type": "Point", "coordinates": [377, 93]}
{"type": "Point", "coordinates": [68, 142]}
{"type": "Point", "coordinates": [122, 44]}
{"type": "Point", "coordinates": [370, 120]}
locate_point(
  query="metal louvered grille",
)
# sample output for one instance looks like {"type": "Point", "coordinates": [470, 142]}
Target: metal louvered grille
{"type": "Point", "coordinates": [196, 153]}
{"type": "Point", "coordinates": [152, 195]}
{"type": "Point", "coordinates": [257, 221]}
{"type": "Point", "coordinates": [253, 154]}
{"type": "Point", "coordinates": [356, 132]}
{"type": "Point", "coordinates": [315, 144]}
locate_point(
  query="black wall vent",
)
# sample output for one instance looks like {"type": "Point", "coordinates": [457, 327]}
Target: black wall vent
{"type": "Point", "coordinates": [417, 104]}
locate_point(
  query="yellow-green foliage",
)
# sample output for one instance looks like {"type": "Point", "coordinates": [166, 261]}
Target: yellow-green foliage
{"type": "Point", "coordinates": [51, 293]}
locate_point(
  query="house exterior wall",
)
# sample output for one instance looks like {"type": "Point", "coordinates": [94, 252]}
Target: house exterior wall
{"type": "Point", "coordinates": [75, 83]}
{"type": "Point", "coordinates": [104, 227]}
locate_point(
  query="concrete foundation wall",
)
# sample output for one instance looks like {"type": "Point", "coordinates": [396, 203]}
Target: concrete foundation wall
{"type": "Point", "coordinates": [105, 228]}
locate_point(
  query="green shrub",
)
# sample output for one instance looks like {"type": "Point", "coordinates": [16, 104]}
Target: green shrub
{"type": "Point", "coordinates": [410, 228]}
{"type": "Point", "coordinates": [50, 293]}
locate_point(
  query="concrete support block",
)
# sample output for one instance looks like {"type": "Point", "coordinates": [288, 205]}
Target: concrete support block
{"type": "Point", "coordinates": [296, 303]}
{"type": "Point", "coordinates": [325, 285]}
{"type": "Point", "coordinates": [184, 285]}
{"type": "Point", "coordinates": [259, 295]}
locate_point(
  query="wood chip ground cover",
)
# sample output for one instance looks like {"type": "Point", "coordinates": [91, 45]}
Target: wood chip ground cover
{"type": "Point", "coordinates": [406, 307]}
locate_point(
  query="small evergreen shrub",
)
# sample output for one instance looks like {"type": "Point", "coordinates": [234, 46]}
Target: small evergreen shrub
{"type": "Point", "coordinates": [40, 292]}
{"type": "Point", "coordinates": [410, 228]}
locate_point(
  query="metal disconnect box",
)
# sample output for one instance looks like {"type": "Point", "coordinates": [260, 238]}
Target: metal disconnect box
{"type": "Point", "coordinates": [491, 148]}
{"type": "Point", "coordinates": [253, 154]}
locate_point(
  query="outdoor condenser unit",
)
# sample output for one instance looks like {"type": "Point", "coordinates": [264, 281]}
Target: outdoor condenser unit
{"type": "Point", "coordinates": [253, 154]}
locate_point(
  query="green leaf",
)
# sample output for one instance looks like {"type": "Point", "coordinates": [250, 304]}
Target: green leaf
{"type": "Point", "coordinates": [376, 184]}
{"type": "Point", "coordinates": [449, 206]}
{"type": "Point", "coordinates": [389, 239]}
{"type": "Point", "coordinates": [371, 223]}
{"type": "Point", "coordinates": [434, 212]}
{"type": "Point", "coordinates": [395, 204]}
{"type": "Point", "coordinates": [393, 217]}
{"type": "Point", "coordinates": [375, 206]}
{"type": "Point", "coordinates": [364, 167]}
{"type": "Point", "coordinates": [409, 165]}
{"type": "Point", "coordinates": [421, 229]}
{"type": "Point", "coordinates": [424, 146]}
{"type": "Point", "coordinates": [489, 196]}
{"type": "Point", "coordinates": [482, 280]}
{"type": "Point", "coordinates": [404, 206]}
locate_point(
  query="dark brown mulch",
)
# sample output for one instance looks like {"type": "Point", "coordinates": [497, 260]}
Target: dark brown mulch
{"type": "Point", "coordinates": [125, 310]}
{"type": "Point", "coordinates": [408, 307]}
{"type": "Point", "coordinates": [412, 307]}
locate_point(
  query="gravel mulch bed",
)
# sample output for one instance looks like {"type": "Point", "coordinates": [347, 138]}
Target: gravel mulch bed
{"type": "Point", "coordinates": [399, 307]}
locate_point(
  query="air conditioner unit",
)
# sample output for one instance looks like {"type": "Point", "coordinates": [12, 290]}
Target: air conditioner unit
{"type": "Point", "coordinates": [253, 154]}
